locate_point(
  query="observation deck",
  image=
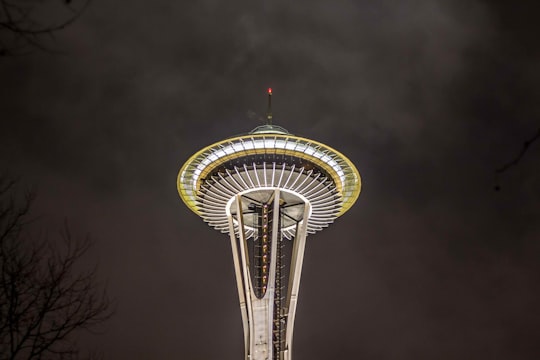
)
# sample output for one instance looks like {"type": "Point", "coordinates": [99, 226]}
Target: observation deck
{"type": "Point", "coordinates": [266, 158]}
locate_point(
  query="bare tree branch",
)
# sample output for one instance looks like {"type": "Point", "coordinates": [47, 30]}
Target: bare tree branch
{"type": "Point", "coordinates": [20, 29]}
{"type": "Point", "coordinates": [44, 297]}
{"type": "Point", "coordinates": [515, 161]}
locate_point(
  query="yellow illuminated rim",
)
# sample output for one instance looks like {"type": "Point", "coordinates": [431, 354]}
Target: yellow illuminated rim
{"type": "Point", "coordinates": [348, 185]}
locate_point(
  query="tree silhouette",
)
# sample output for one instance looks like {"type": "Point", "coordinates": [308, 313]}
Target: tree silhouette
{"type": "Point", "coordinates": [28, 24]}
{"type": "Point", "coordinates": [526, 146]}
{"type": "Point", "coordinates": [44, 296]}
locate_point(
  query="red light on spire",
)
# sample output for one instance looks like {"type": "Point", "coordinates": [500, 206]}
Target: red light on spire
{"type": "Point", "coordinates": [270, 91]}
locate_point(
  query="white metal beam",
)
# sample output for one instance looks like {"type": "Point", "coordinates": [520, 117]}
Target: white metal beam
{"type": "Point", "coordinates": [294, 279]}
{"type": "Point", "coordinates": [245, 270]}
{"type": "Point", "coordinates": [240, 285]}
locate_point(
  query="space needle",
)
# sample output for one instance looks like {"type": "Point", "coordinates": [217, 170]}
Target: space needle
{"type": "Point", "coordinates": [268, 189]}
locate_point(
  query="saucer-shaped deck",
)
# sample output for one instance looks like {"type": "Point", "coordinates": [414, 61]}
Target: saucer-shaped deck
{"type": "Point", "coordinates": [268, 158]}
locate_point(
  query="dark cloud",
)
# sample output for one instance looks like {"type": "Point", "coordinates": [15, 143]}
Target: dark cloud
{"type": "Point", "coordinates": [427, 98]}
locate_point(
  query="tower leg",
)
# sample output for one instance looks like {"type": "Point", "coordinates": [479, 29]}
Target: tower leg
{"type": "Point", "coordinates": [294, 279]}
{"type": "Point", "coordinates": [261, 317]}
{"type": "Point", "coordinates": [240, 281]}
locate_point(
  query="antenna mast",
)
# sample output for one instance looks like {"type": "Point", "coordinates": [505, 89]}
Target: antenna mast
{"type": "Point", "coordinates": [269, 112]}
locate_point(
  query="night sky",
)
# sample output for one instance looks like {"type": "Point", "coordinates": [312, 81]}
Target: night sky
{"type": "Point", "coordinates": [428, 98]}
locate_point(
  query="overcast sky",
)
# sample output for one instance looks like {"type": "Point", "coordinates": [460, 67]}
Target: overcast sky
{"type": "Point", "coordinates": [426, 97]}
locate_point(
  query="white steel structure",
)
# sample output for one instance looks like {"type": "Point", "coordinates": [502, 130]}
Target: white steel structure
{"type": "Point", "coordinates": [268, 189]}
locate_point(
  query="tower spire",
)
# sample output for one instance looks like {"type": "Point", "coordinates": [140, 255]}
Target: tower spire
{"type": "Point", "coordinates": [269, 112]}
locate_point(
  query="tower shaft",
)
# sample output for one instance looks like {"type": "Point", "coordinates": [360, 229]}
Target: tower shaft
{"type": "Point", "coordinates": [268, 306]}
